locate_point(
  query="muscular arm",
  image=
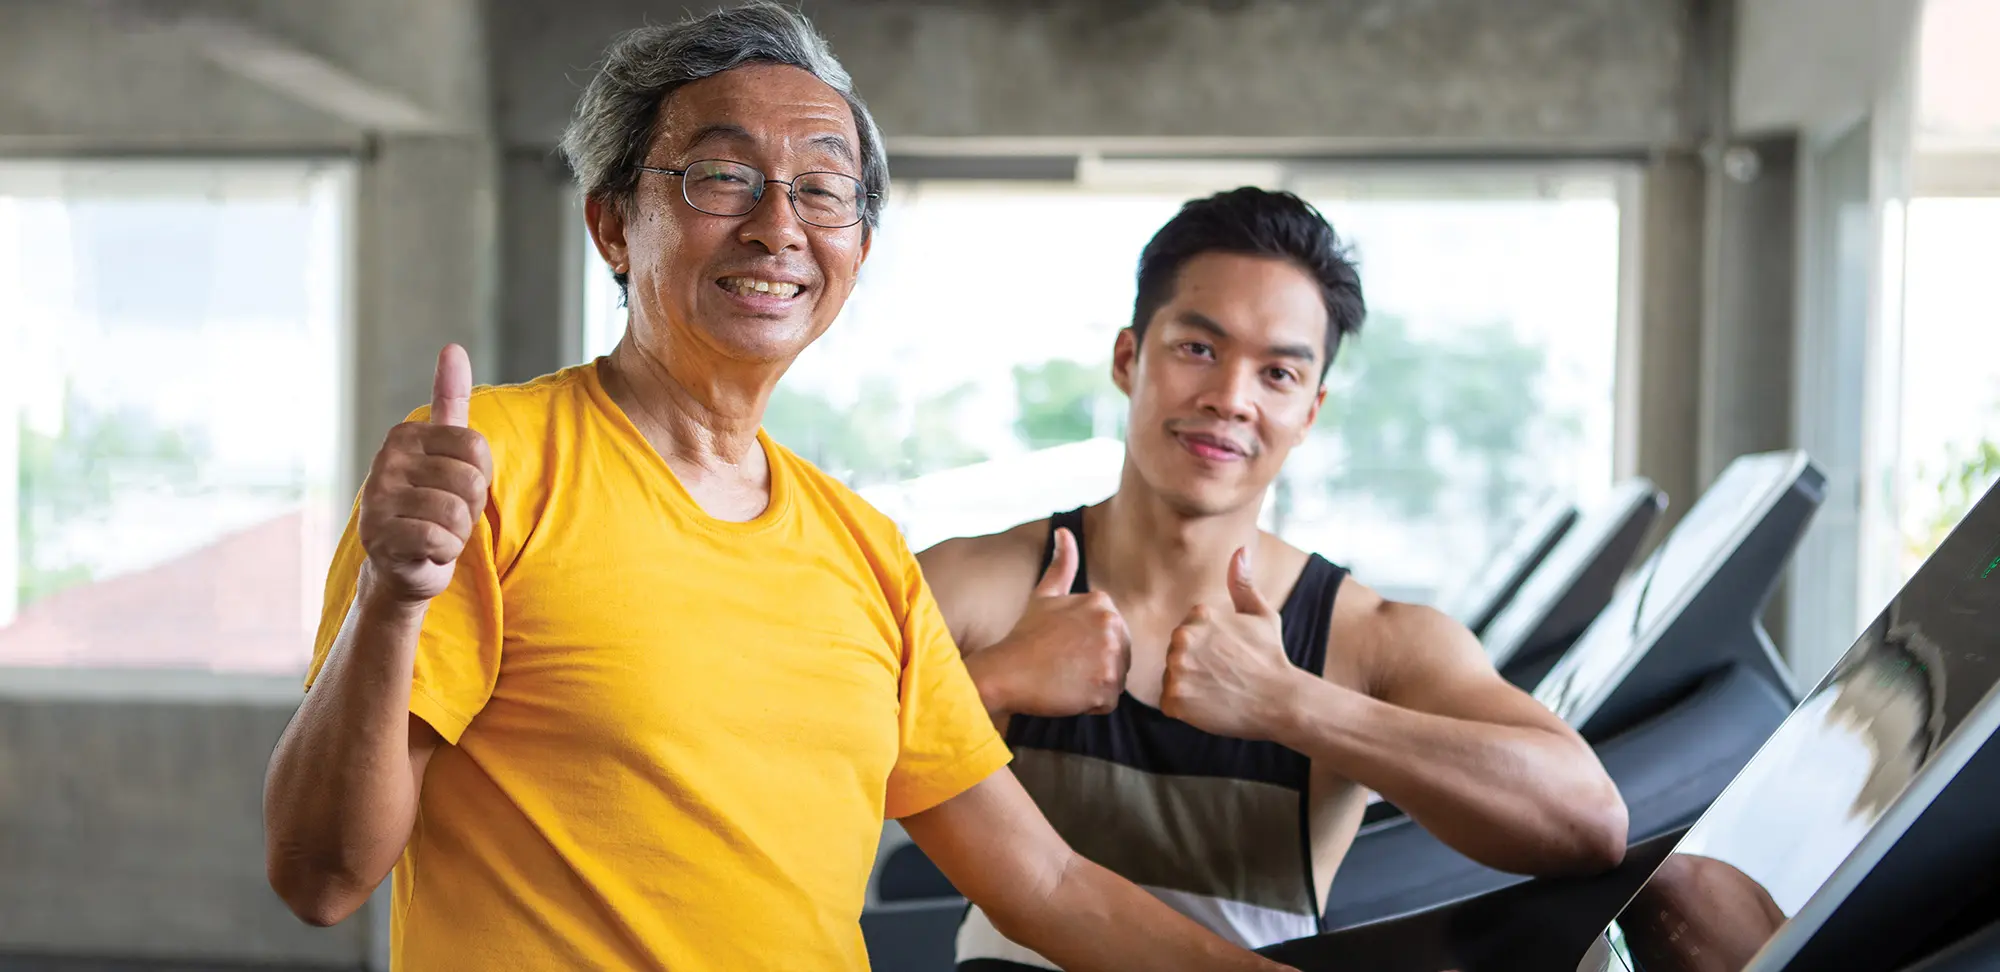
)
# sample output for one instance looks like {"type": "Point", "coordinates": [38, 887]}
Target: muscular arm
{"type": "Point", "coordinates": [341, 793]}
{"type": "Point", "coordinates": [998, 849]}
{"type": "Point", "coordinates": [1474, 760]}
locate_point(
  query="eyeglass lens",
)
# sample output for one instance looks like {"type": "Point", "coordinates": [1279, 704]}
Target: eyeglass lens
{"type": "Point", "coordinates": [826, 199]}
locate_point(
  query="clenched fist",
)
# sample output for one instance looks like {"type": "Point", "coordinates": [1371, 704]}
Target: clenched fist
{"type": "Point", "coordinates": [1227, 672]}
{"type": "Point", "coordinates": [425, 490]}
{"type": "Point", "coordinates": [1067, 655]}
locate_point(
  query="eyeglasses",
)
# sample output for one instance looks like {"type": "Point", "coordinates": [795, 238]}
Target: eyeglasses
{"type": "Point", "coordinates": [717, 187]}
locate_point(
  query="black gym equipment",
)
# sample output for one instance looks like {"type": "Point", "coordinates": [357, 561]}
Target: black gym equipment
{"type": "Point", "coordinates": [1573, 585]}
{"type": "Point", "coordinates": [1496, 583]}
{"type": "Point", "coordinates": [1675, 685]}
{"type": "Point", "coordinates": [1862, 836]}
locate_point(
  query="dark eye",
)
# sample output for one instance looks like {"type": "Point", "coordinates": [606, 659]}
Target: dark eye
{"type": "Point", "coordinates": [1199, 349]}
{"type": "Point", "coordinates": [1281, 375]}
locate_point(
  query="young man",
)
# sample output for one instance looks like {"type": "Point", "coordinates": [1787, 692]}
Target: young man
{"type": "Point", "coordinates": [1202, 707]}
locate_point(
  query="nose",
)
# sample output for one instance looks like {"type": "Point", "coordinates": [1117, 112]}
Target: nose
{"type": "Point", "coordinates": [773, 224]}
{"type": "Point", "coordinates": [1228, 395]}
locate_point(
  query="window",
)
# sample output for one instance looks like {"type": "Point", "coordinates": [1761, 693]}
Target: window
{"type": "Point", "coordinates": [1950, 441]}
{"type": "Point", "coordinates": [1482, 383]}
{"type": "Point", "coordinates": [169, 411]}
{"type": "Point", "coordinates": [966, 387]}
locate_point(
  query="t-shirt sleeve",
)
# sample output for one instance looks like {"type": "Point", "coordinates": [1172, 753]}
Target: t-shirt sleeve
{"type": "Point", "coordinates": [458, 653]}
{"type": "Point", "coordinates": [948, 740]}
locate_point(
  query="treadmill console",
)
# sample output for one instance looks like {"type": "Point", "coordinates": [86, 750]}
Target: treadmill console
{"type": "Point", "coordinates": [1833, 794]}
{"type": "Point", "coordinates": [1499, 580]}
{"type": "Point", "coordinates": [1571, 587]}
{"type": "Point", "coordinates": [1686, 564]}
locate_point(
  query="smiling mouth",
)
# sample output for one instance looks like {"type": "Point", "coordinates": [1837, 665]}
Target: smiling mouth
{"type": "Point", "coordinates": [1210, 447]}
{"type": "Point", "coordinates": [759, 287]}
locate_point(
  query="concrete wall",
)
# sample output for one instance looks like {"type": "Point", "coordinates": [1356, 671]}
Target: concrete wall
{"type": "Point", "coordinates": [131, 823]}
{"type": "Point", "coordinates": [1462, 72]}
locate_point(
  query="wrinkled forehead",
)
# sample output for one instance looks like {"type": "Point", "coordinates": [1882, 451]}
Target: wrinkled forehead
{"type": "Point", "coordinates": [768, 111]}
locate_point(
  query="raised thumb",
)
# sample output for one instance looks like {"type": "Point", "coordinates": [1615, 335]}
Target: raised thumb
{"type": "Point", "coordinates": [451, 387]}
{"type": "Point", "coordinates": [1057, 580]}
{"type": "Point", "coordinates": [1243, 587]}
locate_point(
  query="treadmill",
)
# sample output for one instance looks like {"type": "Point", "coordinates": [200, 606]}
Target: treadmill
{"type": "Point", "coordinates": [1862, 836]}
{"type": "Point", "coordinates": [1573, 585]}
{"type": "Point", "coordinates": [1675, 685]}
{"type": "Point", "coordinates": [1501, 577]}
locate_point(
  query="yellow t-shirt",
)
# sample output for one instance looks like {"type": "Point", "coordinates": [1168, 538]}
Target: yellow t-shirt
{"type": "Point", "coordinates": [675, 738]}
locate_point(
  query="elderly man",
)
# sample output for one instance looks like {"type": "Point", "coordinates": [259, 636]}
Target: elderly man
{"type": "Point", "coordinates": [611, 680]}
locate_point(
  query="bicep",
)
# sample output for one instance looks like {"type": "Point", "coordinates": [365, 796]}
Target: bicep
{"type": "Point", "coordinates": [971, 579]}
{"type": "Point", "coordinates": [992, 841]}
{"type": "Point", "coordinates": [1436, 666]}
{"type": "Point", "coordinates": [943, 568]}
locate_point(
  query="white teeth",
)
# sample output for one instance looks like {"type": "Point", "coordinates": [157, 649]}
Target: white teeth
{"type": "Point", "coordinates": [749, 285]}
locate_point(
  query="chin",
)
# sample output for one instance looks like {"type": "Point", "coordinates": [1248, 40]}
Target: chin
{"type": "Point", "coordinates": [755, 339]}
{"type": "Point", "coordinates": [1195, 501]}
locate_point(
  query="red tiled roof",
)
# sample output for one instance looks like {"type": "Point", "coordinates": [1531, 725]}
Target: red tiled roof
{"type": "Point", "coordinates": [237, 604]}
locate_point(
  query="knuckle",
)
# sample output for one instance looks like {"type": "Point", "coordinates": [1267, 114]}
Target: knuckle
{"type": "Point", "coordinates": [442, 544]}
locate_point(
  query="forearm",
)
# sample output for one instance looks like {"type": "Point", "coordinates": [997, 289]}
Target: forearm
{"type": "Point", "coordinates": [1520, 799]}
{"type": "Point", "coordinates": [1090, 919]}
{"type": "Point", "coordinates": [340, 796]}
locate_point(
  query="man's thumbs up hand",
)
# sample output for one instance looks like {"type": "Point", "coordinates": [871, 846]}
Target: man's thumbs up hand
{"type": "Point", "coordinates": [425, 490]}
{"type": "Point", "coordinates": [1227, 671]}
{"type": "Point", "coordinates": [1067, 655]}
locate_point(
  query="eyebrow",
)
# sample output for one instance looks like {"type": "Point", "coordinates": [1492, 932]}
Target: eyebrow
{"type": "Point", "coordinates": [832, 143]}
{"type": "Point", "coordinates": [1202, 322]}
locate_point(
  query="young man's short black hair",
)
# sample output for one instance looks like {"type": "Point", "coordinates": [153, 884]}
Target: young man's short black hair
{"type": "Point", "coordinates": [1253, 222]}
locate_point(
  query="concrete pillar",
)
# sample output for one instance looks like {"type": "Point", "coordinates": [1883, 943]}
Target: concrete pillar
{"type": "Point", "coordinates": [1747, 334]}
{"type": "Point", "coordinates": [540, 262]}
{"type": "Point", "coordinates": [425, 254]}
{"type": "Point", "coordinates": [1669, 334]}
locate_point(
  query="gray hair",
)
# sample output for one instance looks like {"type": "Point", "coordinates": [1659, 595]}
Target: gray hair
{"type": "Point", "coordinates": [607, 139]}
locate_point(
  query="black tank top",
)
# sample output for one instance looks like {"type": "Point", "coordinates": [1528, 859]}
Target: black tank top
{"type": "Point", "coordinates": [1215, 827]}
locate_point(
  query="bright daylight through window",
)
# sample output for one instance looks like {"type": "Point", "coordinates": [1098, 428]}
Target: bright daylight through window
{"type": "Point", "coordinates": [1950, 443]}
{"type": "Point", "coordinates": [169, 411]}
{"type": "Point", "coordinates": [966, 386]}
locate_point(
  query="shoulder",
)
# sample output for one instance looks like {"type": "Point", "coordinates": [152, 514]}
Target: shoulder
{"type": "Point", "coordinates": [1016, 550]}
{"type": "Point", "coordinates": [982, 582]}
{"type": "Point", "coordinates": [1384, 637]}
{"type": "Point", "coordinates": [511, 416]}
{"type": "Point", "coordinates": [870, 526]}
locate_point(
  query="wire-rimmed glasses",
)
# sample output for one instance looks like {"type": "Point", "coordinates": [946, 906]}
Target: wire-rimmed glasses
{"type": "Point", "coordinates": [718, 187]}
